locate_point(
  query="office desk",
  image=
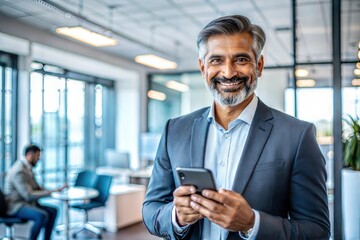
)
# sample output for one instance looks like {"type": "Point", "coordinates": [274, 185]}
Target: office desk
{"type": "Point", "coordinates": [123, 207]}
{"type": "Point", "coordinates": [70, 194]}
{"type": "Point", "coordinates": [140, 177]}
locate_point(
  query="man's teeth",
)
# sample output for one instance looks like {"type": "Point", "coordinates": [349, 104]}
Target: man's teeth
{"type": "Point", "coordinates": [229, 83]}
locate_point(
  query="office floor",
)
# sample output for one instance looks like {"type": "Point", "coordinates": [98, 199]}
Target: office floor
{"type": "Point", "coordinates": [134, 232]}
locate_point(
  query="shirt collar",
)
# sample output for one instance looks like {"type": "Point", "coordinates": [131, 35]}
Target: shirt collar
{"type": "Point", "coordinates": [247, 115]}
{"type": "Point", "coordinates": [27, 164]}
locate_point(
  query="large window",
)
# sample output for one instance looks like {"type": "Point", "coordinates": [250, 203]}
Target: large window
{"type": "Point", "coordinates": [66, 118]}
{"type": "Point", "coordinates": [8, 79]}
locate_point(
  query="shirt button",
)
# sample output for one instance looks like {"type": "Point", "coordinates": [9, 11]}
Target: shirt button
{"type": "Point", "coordinates": [226, 135]}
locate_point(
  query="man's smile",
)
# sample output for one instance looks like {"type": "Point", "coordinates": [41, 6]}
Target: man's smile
{"type": "Point", "coordinates": [229, 85]}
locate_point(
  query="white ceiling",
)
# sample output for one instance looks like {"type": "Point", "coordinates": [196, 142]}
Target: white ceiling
{"type": "Point", "coordinates": [169, 28]}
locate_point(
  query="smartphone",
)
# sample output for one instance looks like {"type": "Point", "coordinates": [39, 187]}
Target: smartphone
{"type": "Point", "coordinates": [200, 178]}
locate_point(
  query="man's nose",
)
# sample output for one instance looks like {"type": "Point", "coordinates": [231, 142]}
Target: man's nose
{"type": "Point", "coordinates": [229, 70]}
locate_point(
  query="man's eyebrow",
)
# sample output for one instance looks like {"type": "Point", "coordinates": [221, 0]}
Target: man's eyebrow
{"type": "Point", "coordinates": [215, 56]}
{"type": "Point", "coordinates": [246, 55]}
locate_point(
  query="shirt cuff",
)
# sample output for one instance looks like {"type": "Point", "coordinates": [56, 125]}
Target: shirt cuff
{"type": "Point", "coordinates": [177, 229]}
{"type": "Point", "coordinates": [255, 228]}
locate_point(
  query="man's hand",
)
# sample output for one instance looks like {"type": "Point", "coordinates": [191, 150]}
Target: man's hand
{"type": "Point", "coordinates": [185, 214]}
{"type": "Point", "coordinates": [226, 208]}
{"type": "Point", "coordinates": [62, 188]}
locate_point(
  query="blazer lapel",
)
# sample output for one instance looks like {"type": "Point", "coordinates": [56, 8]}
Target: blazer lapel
{"type": "Point", "coordinates": [198, 140]}
{"type": "Point", "coordinates": [258, 135]}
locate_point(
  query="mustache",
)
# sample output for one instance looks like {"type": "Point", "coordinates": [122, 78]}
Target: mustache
{"type": "Point", "coordinates": [229, 80]}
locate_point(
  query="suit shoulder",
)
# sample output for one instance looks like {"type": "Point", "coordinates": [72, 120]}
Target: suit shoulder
{"type": "Point", "coordinates": [17, 166]}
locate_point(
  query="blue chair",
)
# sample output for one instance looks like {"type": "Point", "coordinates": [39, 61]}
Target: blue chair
{"type": "Point", "coordinates": [86, 178]}
{"type": "Point", "coordinates": [102, 184]}
{"type": "Point", "coordinates": [8, 220]}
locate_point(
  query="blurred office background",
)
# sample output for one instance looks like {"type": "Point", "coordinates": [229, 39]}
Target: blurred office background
{"type": "Point", "coordinates": [80, 101]}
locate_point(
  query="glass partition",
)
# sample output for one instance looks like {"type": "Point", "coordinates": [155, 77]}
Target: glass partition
{"type": "Point", "coordinates": [66, 118]}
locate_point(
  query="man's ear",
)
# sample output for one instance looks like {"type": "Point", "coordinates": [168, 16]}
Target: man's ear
{"type": "Point", "coordinates": [260, 65]}
{"type": "Point", "coordinates": [202, 67]}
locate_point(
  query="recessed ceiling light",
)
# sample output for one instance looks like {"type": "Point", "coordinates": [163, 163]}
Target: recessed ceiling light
{"type": "Point", "coordinates": [155, 61]}
{"type": "Point", "coordinates": [357, 71]}
{"type": "Point", "coordinates": [355, 82]}
{"type": "Point", "coordinates": [87, 36]}
{"type": "Point", "coordinates": [305, 83]}
{"type": "Point", "coordinates": [175, 85]}
{"type": "Point", "coordinates": [300, 72]}
{"type": "Point", "coordinates": [156, 95]}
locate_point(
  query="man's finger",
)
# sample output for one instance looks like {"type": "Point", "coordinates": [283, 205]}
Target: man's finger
{"type": "Point", "coordinates": [182, 201]}
{"type": "Point", "coordinates": [225, 197]}
{"type": "Point", "coordinates": [207, 203]}
{"type": "Point", "coordinates": [204, 211]}
{"type": "Point", "coordinates": [186, 210]}
{"type": "Point", "coordinates": [184, 190]}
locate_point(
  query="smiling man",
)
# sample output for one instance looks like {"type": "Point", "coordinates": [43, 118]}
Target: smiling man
{"type": "Point", "coordinates": [268, 167]}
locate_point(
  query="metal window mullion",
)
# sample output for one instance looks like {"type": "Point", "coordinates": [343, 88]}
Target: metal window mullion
{"type": "Point", "coordinates": [43, 138]}
{"type": "Point", "coordinates": [294, 37]}
{"type": "Point", "coordinates": [66, 135]}
{"type": "Point", "coordinates": [2, 124]}
{"type": "Point", "coordinates": [337, 125]}
{"type": "Point", "coordinates": [14, 109]}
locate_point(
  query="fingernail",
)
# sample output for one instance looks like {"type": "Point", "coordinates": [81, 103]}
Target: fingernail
{"type": "Point", "coordinates": [192, 189]}
{"type": "Point", "coordinates": [193, 197]}
{"type": "Point", "coordinates": [192, 204]}
{"type": "Point", "coordinates": [205, 193]}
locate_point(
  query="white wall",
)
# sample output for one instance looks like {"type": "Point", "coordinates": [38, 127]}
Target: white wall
{"type": "Point", "coordinates": [128, 119]}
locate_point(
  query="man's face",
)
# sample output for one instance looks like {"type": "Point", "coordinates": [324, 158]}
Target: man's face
{"type": "Point", "coordinates": [230, 68]}
{"type": "Point", "coordinates": [33, 158]}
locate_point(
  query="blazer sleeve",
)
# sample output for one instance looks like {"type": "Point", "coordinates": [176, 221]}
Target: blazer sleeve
{"type": "Point", "coordinates": [308, 205]}
{"type": "Point", "coordinates": [158, 203]}
{"type": "Point", "coordinates": [25, 189]}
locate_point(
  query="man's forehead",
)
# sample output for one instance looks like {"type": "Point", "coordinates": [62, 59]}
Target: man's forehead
{"type": "Point", "coordinates": [241, 37]}
{"type": "Point", "coordinates": [232, 45]}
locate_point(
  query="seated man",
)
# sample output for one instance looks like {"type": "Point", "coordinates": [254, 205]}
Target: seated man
{"type": "Point", "coordinates": [23, 192]}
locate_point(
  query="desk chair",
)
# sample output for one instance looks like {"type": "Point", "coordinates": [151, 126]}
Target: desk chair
{"type": "Point", "coordinates": [103, 184]}
{"type": "Point", "coordinates": [86, 178]}
{"type": "Point", "coordinates": [8, 220]}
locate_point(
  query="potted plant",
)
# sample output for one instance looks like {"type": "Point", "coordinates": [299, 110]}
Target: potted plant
{"type": "Point", "coordinates": [351, 179]}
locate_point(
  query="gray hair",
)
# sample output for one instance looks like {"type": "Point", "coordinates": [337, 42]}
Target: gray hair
{"type": "Point", "coordinates": [229, 25]}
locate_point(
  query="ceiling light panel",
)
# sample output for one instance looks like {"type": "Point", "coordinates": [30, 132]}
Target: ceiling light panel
{"type": "Point", "coordinates": [175, 85]}
{"type": "Point", "coordinates": [87, 36]}
{"type": "Point", "coordinates": [155, 61]}
{"type": "Point", "coordinates": [160, 96]}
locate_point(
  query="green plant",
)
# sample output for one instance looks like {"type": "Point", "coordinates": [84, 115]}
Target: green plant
{"type": "Point", "coordinates": [352, 144]}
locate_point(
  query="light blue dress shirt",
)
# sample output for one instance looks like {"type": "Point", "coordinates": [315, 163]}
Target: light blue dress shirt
{"type": "Point", "coordinates": [224, 149]}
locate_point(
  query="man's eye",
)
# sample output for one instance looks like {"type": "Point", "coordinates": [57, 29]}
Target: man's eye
{"type": "Point", "coordinates": [241, 60]}
{"type": "Point", "coordinates": [215, 61]}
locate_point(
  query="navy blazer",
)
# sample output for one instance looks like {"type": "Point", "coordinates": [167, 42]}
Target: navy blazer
{"type": "Point", "coordinates": [281, 174]}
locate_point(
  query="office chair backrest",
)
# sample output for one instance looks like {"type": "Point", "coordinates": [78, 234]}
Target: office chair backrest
{"type": "Point", "coordinates": [86, 178]}
{"type": "Point", "coordinates": [103, 185]}
{"type": "Point", "coordinates": [3, 204]}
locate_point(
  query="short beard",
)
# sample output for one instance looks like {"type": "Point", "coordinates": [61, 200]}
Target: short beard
{"type": "Point", "coordinates": [33, 163]}
{"type": "Point", "coordinates": [235, 99]}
